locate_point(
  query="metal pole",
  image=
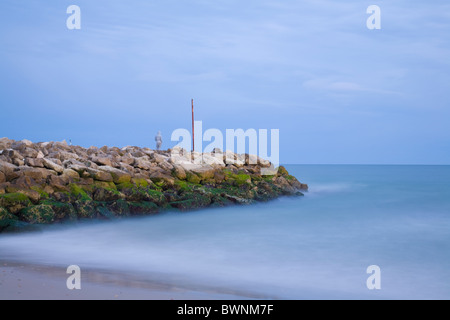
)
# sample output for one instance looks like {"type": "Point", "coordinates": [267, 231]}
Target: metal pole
{"type": "Point", "coordinates": [193, 143]}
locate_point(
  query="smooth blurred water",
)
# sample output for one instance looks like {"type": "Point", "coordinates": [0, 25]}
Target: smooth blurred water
{"type": "Point", "coordinates": [317, 246]}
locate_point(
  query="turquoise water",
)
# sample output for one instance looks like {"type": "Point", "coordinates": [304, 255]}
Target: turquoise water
{"type": "Point", "coordinates": [317, 246]}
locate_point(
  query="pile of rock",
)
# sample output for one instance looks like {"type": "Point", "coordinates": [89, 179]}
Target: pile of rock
{"type": "Point", "coordinates": [52, 181]}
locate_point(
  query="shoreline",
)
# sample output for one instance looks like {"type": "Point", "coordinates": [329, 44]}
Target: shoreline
{"type": "Point", "coordinates": [19, 281]}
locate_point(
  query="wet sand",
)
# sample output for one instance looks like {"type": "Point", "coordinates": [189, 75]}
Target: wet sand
{"type": "Point", "coordinates": [30, 282]}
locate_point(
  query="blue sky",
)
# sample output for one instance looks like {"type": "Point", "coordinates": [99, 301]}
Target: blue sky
{"type": "Point", "coordinates": [338, 92]}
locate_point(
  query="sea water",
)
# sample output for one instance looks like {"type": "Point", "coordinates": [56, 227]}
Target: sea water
{"type": "Point", "coordinates": [314, 247]}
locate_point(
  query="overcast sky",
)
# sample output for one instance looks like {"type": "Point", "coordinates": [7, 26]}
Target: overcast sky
{"type": "Point", "coordinates": [338, 92]}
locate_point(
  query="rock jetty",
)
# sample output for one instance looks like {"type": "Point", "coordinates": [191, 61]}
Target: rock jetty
{"type": "Point", "coordinates": [52, 182]}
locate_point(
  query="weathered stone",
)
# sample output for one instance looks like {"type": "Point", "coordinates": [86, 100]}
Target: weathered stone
{"type": "Point", "coordinates": [282, 183]}
{"type": "Point", "coordinates": [127, 159]}
{"type": "Point", "coordinates": [118, 176]}
{"type": "Point", "coordinates": [179, 172]}
{"type": "Point", "coordinates": [39, 214]}
{"type": "Point", "coordinates": [64, 155]}
{"type": "Point", "coordinates": [10, 170]}
{"type": "Point", "coordinates": [159, 158]}
{"type": "Point", "coordinates": [2, 177]}
{"type": "Point", "coordinates": [3, 187]}
{"type": "Point", "coordinates": [100, 175]}
{"type": "Point", "coordinates": [35, 162]}
{"type": "Point", "coordinates": [5, 143]}
{"type": "Point", "coordinates": [41, 154]}
{"type": "Point", "coordinates": [49, 190]}
{"type": "Point", "coordinates": [12, 154]}
{"type": "Point", "coordinates": [192, 177]}
{"type": "Point", "coordinates": [18, 162]}
{"type": "Point", "coordinates": [282, 171]}
{"type": "Point", "coordinates": [33, 195]}
{"type": "Point", "coordinates": [103, 161]}
{"type": "Point", "coordinates": [36, 173]}
{"type": "Point", "coordinates": [80, 169]}
{"type": "Point", "coordinates": [205, 173]}
{"type": "Point", "coordinates": [22, 182]}
{"type": "Point", "coordinates": [127, 168]}
{"type": "Point", "coordinates": [166, 166]}
{"type": "Point", "coordinates": [71, 173]}
{"type": "Point", "coordinates": [158, 177]}
{"type": "Point", "coordinates": [142, 208]}
{"type": "Point", "coordinates": [92, 151]}
{"type": "Point", "coordinates": [57, 183]}
{"type": "Point", "coordinates": [264, 163]}
{"type": "Point", "coordinates": [28, 153]}
{"type": "Point", "coordinates": [215, 160]}
{"type": "Point", "coordinates": [142, 163]}
{"type": "Point", "coordinates": [102, 194]}
{"type": "Point", "coordinates": [91, 164]}
{"type": "Point", "coordinates": [14, 202]}
{"type": "Point", "coordinates": [138, 154]}
{"type": "Point", "coordinates": [6, 219]}
{"type": "Point", "coordinates": [53, 166]}
{"type": "Point", "coordinates": [71, 162]}
{"type": "Point", "coordinates": [85, 209]}
{"type": "Point", "coordinates": [219, 177]}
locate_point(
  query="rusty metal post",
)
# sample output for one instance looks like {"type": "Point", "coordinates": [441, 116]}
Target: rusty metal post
{"type": "Point", "coordinates": [193, 139]}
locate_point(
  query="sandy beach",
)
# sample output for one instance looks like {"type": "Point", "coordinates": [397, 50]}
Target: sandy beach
{"type": "Point", "coordinates": [32, 282]}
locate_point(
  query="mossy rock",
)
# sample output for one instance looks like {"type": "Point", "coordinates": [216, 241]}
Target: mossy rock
{"type": "Point", "coordinates": [192, 178]}
{"type": "Point", "coordinates": [106, 194]}
{"type": "Point", "coordinates": [192, 200]}
{"type": "Point", "coordinates": [104, 212]}
{"type": "Point", "coordinates": [242, 179]}
{"type": "Point", "coordinates": [119, 208]}
{"type": "Point", "coordinates": [125, 185]}
{"type": "Point", "coordinates": [219, 201]}
{"type": "Point", "coordinates": [282, 171]}
{"type": "Point", "coordinates": [40, 214]}
{"type": "Point", "coordinates": [156, 196]}
{"type": "Point", "coordinates": [140, 183]}
{"type": "Point", "coordinates": [104, 185]}
{"type": "Point", "coordinates": [63, 211]}
{"type": "Point", "coordinates": [79, 193]}
{"type": "Point", "coordinates": [185, 186]}
{"type": "Point", "coordinates": [85, 209]}
{"type": "Point", "coordinates": [43, 195]}
{"type": "Point", "coordinates": [14, 202]}
{"type": "Point", "coordinates": [143, 208]}
{"type": "Point", "coordinates": [7, 219]}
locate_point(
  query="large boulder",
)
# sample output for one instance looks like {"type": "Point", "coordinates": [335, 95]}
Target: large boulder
{"type": "Point", "coordinates": [5, 143]}
{"type": "Point", "coordinates": [14, 202]}
{"type": "Point", "coordinates": [34, 162]}
{"type": "Point", "coordinates": [161, 178]}
{"type": "Point", "coordinates": [7, 219]}
{"type": "Point", "coordinates": [100, 175]}
{"type": "Point", "coordinates": [12, 154]}
{"type": "Point", "coordinates": [179, 173]}
{"type": "Point", "coordinates": [9, 170]}
{"type": "Point", "coordinates": [118, 176]}
{"type": "Point", "coordinates": [53, 166]}
{"type": "Point", "coordinates": [142, 163]}
{"type": "Point", "coordinates": [38, 174]}
{"type": "Point", "coordinates": [29, 152]}
{"type": "Point", "coordinates": [103, 161]}
{"type": "Point", "coordinates": [71, 173]}
{"type": "Point", "coordinates": [38, 214]}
